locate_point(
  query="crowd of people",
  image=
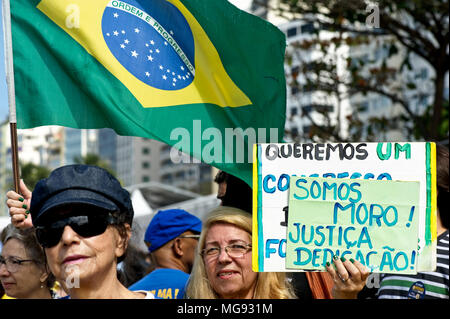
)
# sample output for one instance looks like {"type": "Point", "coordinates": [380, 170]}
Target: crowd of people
{"type": "Point", "coordinates": [70, 238]}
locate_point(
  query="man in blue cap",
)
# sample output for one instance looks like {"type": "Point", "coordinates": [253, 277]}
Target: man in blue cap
{"type": "Point", "coordinates": [171, 238]}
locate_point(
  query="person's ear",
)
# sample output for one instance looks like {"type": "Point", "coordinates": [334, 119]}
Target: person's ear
{"type": "Point", "coordinates": [178, 247]}
{"type": "Point", "coordinates": [43, 278]}
{"type": "Point", "coordinates": [122, 241]}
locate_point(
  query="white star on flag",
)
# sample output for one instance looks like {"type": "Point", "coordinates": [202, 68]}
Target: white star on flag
{"type": "Point", "coordinates": [134, 40]}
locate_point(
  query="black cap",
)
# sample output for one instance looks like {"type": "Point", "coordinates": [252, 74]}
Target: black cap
{"type": "Point", "coordinates": [80, 184]}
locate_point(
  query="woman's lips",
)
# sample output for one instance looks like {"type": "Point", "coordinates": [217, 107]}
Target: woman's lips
{"type": "Point", "coordinates": [7, 285]}
{"type": "Point", "coordinates": [226, 274]}
{"type": "Point", "coordinates": [74, 259]}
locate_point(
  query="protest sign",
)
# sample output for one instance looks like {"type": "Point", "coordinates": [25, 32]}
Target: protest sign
{"type": "Point", "coordinates": [374, 222]}
{"type": "Point", "coordinates": [274, 164]}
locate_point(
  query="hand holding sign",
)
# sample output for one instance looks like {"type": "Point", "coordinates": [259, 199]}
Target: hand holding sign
{"type": "Point", "coordinates": [349, 277]}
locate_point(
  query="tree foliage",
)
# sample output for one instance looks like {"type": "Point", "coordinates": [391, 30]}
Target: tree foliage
{"type": "Point", "coordinates": [94, 159]}
{"type": "Point", "coordinates": [32, 173]}
{"type": "Point", "coordinates": [407, 30]}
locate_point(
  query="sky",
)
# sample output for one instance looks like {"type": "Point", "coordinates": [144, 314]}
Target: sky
{"type": "Point", "coordinates": [242, 4]}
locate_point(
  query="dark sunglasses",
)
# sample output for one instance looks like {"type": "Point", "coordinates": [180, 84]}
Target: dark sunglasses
{"type": "Point", "coordinates": [86, 226]}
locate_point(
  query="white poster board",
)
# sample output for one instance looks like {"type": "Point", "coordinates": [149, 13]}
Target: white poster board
{"type": "Point", "coordinates": [274, 164]}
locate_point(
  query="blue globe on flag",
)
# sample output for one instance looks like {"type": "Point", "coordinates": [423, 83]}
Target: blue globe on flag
{"type": "Point", "coordinates": [153, 41]}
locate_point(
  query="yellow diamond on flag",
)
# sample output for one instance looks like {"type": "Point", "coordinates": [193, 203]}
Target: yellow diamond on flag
{"type": "Point", "coordinates": [157, 50]}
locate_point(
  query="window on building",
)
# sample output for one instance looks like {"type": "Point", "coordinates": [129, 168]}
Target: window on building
{"type": "Point", "coordinates": [145, 165]}
{"type": "Point", "coordinates": [364, 106]}
{"type": "Point", "coordinates": [166, 163]}
{"type": "Point", "coordinates": [165, 148]}
{"type": "Point", "coordinates": [180, 175]}
{"type": "Point", "coordinates": [294, 111]}
{"type": "Point", "coordinates": [167, 178]}
{"type": "Point", "coordinates": [145, 151]}
{"type": "Point", "coordinates": [145, 179]}
{"type": "Point", "coordinates": [423, 74]}
{"type": "Point", "coordinates": [323, 108]}
{"type": "Point", "coordinates": [308, 28]}
{"type": "Point", "coordinates": [306, 129]}
{"type": "Point", "coordinates": [292, 32]}
{"type": "Point", "coordinates": [422, 101]}
{"type": "Point", "coordinates": [295, 71]}
{"type": "Point", "coordinates": [306, 109]}
{"type": "Point", "coordinates": [294, 90]}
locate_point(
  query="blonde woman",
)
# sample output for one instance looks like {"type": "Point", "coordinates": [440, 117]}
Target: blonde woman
{"type": "Point", "coordinates": [223, 267]}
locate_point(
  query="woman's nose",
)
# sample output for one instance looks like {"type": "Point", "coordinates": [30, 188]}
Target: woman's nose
{"type": "Point", "coordinates": [69, 236]}
{"type": "Point", "coordinates": [223, 256]}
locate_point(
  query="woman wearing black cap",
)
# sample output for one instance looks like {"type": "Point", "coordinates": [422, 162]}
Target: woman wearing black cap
{"type": "Point", "coordinates": [83, 220]}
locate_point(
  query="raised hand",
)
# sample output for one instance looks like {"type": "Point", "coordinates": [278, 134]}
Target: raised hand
{"type": "Point", "coordinates": [19, 205]}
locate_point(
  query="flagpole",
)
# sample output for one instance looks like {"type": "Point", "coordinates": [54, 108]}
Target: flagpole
{"type": "Point", "coordinates": [11, 90]}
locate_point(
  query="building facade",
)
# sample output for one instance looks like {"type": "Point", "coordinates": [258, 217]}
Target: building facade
{"type": "Point", "coordinates": [41, 146]}
{"type": "Point", "coordinates": [141, 160]}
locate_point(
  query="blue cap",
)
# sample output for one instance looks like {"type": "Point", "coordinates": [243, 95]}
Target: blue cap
{"type": "Point", "coordinates": [169, 224]}
{"type": "Point", "coordinates": [80, 184]}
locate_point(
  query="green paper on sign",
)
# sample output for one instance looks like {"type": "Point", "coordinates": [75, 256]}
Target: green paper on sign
{"type": "Point", "coordinates": [373, 222]}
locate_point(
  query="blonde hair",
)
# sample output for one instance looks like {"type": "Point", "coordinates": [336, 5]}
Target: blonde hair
{"type": "Point", "coordinates": [270, 285]}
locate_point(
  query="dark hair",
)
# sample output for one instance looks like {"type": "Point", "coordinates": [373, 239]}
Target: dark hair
{"type": "Point", "coordinates": [2, 291]}
{"type": "Point", "coordinates": [123, 233]}
{"type": "Point", "coordinates": [221, 177]}
{"type": "Point", "coordinates": [238, 194]}
{"type": "Point", "coordinates": [442, 183]}
{"type": "Point", "coordinates": [34, 250]}
{"type": "Point", "coordinates": [134, 266]}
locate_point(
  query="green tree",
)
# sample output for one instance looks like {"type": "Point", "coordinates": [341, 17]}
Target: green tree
{"type": "Point", "coordinates": [403, 28]}
{"type": "Point", "coordinates": [94, 159]}
{"type": "Point", "coordinates": [32, 173]}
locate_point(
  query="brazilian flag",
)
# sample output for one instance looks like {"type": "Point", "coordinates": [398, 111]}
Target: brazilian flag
{"type": "Point", "coordinates": [151, 68]}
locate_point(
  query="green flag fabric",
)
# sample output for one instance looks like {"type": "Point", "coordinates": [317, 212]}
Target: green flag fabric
{"type": "Point", "coordinates": [202, 76]}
